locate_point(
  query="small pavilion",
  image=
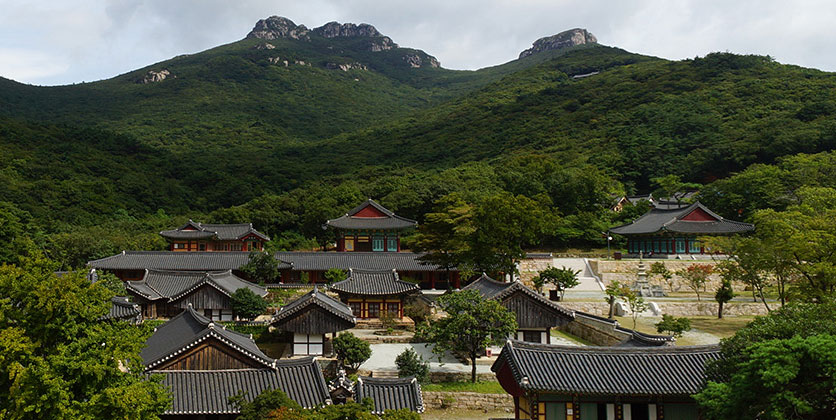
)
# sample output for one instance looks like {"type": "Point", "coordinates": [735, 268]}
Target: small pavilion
{"type": "Point", "coordinates": [370, 293]}
{"type": "Point", "coordinates": [310, 319]}
{"type": "Point", "coordinates": [370, 227]}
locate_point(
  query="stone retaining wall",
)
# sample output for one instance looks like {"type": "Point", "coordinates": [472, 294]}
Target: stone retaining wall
{"type": "Point", "coordinates": [468, 401]}
{"type": "Point", "coordinates": [436, 377]}
{"type": "Point", "coordinates": [531, 266]}
{"type": "Point", "coordinates": [704, 308]}
{"type": "Point", "coordinates": [600, 333]}
{"type": "Point", "coordinates": [626, 272]}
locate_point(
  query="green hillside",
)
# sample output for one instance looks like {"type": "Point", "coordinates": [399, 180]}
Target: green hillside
{"type": "Point", "coordinates": [232, 136]}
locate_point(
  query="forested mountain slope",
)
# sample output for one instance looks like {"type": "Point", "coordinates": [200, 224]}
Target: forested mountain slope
{"type": "Point", "coordinates": [234, 133]}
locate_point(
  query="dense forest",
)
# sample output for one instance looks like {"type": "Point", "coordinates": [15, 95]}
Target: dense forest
{"type": "Point", "coordinates": [94, 168]}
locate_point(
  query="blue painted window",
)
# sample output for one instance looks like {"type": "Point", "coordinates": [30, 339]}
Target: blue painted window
{"type": "Point", "coordinates": [392, 243]}
{"type": "Point", "coordinates": [377, 243]}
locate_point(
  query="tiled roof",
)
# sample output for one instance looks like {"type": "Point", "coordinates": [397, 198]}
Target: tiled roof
{"type": "Point", "coordinates": [670, 220]}
{"type": "Point", "coordinates": [208, 391]}
{"type": "Point", "coordinates": [189, 329]}
{"type": "Point", "coordinates": [374, 282]}
{"type": "Point", "coordinates": [636, 371]}
{"type": "Point", "coordinates": [317, 298]}
{"type": "Point", "coordinates": [223, 232]}
{"type": "Point", "coordinates": [172, 285]}
{"type": "Point", "coordinates": [173, 260]}
{"type": "Point", "coordinates": [321, 261]}
{"type": "Point", "coordinates": [492, 289]}
{"type": "Point", "coordinates": [388, 221]}
{"type": "Point", "coordinates": [122, 308]}
{"type": "Point", "coordinates": [390, 394]}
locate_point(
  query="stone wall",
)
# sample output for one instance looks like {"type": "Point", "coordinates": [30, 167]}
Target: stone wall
{"type": "Point", "coordinates": [704, 308]}
{"type": "Point", "coordinates": [532, 265]}
{"type": "Point", "coordinates": [468, 401]}
{"type": "Point", "coordinates": [600, 333]}
{"type": "Point", "coordinates": [626, 271]}
{"type": "Point", "coordinates": [437, 377]}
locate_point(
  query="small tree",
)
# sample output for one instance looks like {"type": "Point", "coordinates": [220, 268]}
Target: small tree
{"type": "Point", "coordinates": [410, 363]}
{"type": "Point", "coordinates": [261, 268]}
{"type": "Point", "coordinates": [659, 269]}
{"type": "Point", "coordinates": [472, 324]}
{"type": "Point", "coordinates": [696, 276]}
{"type": "Point", "coordinates": [351, 351]}
{"type": "Point", "coordinates": [265, 405]}
{"type": "Point", "coordinates": [562, 278]}
{"type": "Point", "coordinates": [247, 304]}
{"type": "Point", "coordinates": [613, 291]}
{"type": "Point", "coordinates": [538, 282]}
{"type": "Point", "coordinates": [636, 303]}
{"type": "Point", "coordinates": [673, 325]}
{"type": "Point", "coordinates": [724, 294]}
{"type": "Point", "coordinates": [334, 275]}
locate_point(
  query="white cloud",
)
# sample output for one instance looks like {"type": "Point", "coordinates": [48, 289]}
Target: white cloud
{"type": "Point", "coordinates": [70, 41]}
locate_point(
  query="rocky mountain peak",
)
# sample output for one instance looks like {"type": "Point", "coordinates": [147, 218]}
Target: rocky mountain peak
{"type": "Point", "coordinates": [565, 39]}
{"type": "Point", "coordinates": [335, 29]}
{"type": "Point", "coordinates": [277, 27]}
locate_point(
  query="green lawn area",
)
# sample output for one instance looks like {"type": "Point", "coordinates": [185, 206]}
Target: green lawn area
{"type": "Point", "coordinates": [480, 387]}
{"type": "Point", "coordinates": [570, 337]}
{"type": "Point", "coordinates": [720, 328]}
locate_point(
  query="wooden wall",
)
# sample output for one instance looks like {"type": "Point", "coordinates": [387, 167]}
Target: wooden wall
{"type": "Point", "coordinates": [532, 313]}
{"type": "Point", "coordinates": [205, 297]}
{"type": "Point", "coordinates": [314, 320]}
{"type": "Point", "coordinates": [212, 354]}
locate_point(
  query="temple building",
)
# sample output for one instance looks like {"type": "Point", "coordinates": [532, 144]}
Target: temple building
{"type": "Point", "coordinates": [370, 227]}
{"type": "Point", "coordinates": [550, 382]}
{"type": "Point", "coordinates": [194, 236]}
{"type": "Point", "coordinates": [671, 230]}
{"type": "Point", "coordinates": [535, 314]}
{"type": "Point", "coordinates": [308, 320]}
{"type": "Point", "coordinates": [370, 293]}
{"type": "Point", "coordinates": [203, 364]}
{"type": "Point", "coordinates": [390, 393]}
{"type": "Point", "coordinates": [164, 294]}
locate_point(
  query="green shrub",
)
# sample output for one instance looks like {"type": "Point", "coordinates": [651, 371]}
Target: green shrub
{"type": "Point", "coordinates": [247, 304]}
{"type": "Point", "coordinates": [410, 363]}
{"type": "Point", "coordinates": [351, 351]}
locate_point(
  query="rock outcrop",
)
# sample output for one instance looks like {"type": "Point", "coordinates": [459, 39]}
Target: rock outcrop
{"type": "Point", "coordinates": [155, 76]}
{"type": "Point", "coordinates": [345, 66]}
{"type": "Point", "coordinates": [265, 46]}
{"type": "Point", "coordinates": [565, 39]}
{"type": "Point", "coordinates": [277, 27]}
{"type": "Point", "coordinates": [335, 29]}
{"type": "Point", "coordinates": [415, 61]}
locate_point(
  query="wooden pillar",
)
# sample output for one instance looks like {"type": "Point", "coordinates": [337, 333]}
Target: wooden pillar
{"type": "Point", "coordinates": [432, 280]}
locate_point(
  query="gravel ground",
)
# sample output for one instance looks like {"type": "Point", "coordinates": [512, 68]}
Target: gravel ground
{"type": "Point", "coordinates": [383, 359]}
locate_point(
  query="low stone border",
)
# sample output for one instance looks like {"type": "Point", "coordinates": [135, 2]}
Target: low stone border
{"type": "Point", "coordinates": [468, 401]}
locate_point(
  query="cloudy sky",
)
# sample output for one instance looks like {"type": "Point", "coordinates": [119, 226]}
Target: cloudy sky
{"type": "Point", "coordinates": [62, 41]}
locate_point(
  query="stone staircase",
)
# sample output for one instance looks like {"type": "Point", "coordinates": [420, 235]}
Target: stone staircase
{"type": "Point", "coordinates": [588, 282]}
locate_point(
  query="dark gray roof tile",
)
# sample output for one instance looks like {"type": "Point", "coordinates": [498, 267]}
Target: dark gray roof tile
{"type": "Point", "coordinates": [122, 308]}
{"type": "Point", "coordinates": [208, 391]}
{"type": "Point", "coordinates": [637, 371]}
{"type": "Point", "coordinates": [319, 299]}
{"type": "Point", "coordinates": [189, 328]}
{"type": "Point", "coordinates": [174, 260]}
{"type": "Point", "coordinates": [173, 285]}
{"type": "Point", "coordinates": [492, 289]}
{"type": "Point", "coordinates": [222, 232]}
{"type": "Point", "coordinates": [390, 394]}
{"type": "Point", "coordinates": [374, 282]}
{"type": "Point", "coordinates": [389, 220]}
{"type": "Point", "coordinates": [322, 261]}
{"type": "Point", "coordinates": [671, 220]}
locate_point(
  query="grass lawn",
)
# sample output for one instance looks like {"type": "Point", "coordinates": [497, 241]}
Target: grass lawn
{"type": "Point", "coordinates": [570, 337]}
{"type": "Point", "coordinates": [459, 414]}
{"type": "Point", "coordinates": [719, 328]}
{"type": "Point", "coordinates": [480, 387]}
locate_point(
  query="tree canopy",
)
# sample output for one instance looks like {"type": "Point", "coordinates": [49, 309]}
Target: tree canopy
{"type": "Point", "coordinates": [59, 360]}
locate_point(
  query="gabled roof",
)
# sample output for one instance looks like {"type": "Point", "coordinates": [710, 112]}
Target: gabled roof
{"type": "Point", "coordinates": [188, 329]}
{"type": "Point", "coordinates": [492, 289]}
{"type": "Point", "coordinates": [208, 391]}
{"type": "Point", "coordinates": [223, 232]}
{"type": "Point", "coordinates": [173, 285]}
{"type": "Point", "coordinates": [677, 220]}
{"type": "Point", "coordinates": [378, 218]}
{"type": "Point", "coordinates": [121, 308]}
{"type": "Point", "coordinates": [315, 298]}
{"type": "Point", "coordinates": [322, 261]}
{"type": "Point", "coordinates": [172, 260]}
{"type": "Point", "coordinates": [635, 371]}
{"type": "Point", "coordinates": [374, 282]}
{"type": "Point", "coordinates": [390, 394]}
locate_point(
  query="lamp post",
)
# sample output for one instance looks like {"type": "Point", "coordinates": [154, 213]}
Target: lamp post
{"type": "Point", "coordinates": [609, 238]}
